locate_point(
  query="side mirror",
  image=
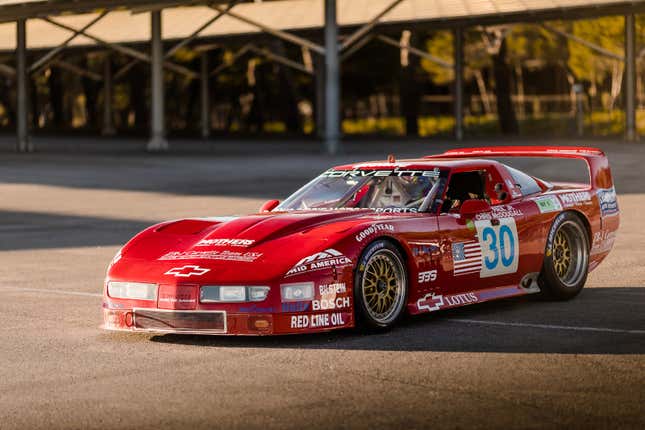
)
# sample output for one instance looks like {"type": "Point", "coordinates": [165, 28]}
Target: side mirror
{"type": "Point", "coordinates": [470, 208]}
{"type": "Point", "coordinates": [269, 206]}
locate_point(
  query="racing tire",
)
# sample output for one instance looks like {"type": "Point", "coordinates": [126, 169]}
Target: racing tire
{"type": "Point", "coordinates": [566, 259]}
{"type": "Point", "coordinates": [380, 286]}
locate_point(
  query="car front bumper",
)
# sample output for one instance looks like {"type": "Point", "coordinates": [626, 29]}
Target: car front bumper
{"type": "Point", "coordinates": [219, 322]}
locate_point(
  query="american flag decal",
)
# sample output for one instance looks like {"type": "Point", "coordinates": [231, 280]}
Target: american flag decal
{"type": "Point", "coordinates": [466, 257]}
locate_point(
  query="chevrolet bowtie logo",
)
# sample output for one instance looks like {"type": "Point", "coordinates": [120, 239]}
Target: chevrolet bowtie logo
{"type": "Point", "coordinates": [186, 271]}
{"type": "Point", "coordinates": [430, 302]}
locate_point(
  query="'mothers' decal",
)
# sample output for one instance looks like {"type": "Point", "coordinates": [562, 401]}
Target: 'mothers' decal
{"type": "Point", "coordinates": [226, 242]}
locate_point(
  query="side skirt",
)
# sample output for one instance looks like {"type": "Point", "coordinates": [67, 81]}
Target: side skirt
{"type": "Point", "coordinates": [434, 302]}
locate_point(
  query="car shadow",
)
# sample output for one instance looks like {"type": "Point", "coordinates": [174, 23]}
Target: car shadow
{"type": "Point", "coordinates": [609, 321]}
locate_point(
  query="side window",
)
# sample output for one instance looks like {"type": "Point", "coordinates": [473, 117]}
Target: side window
{"type": "Point", "coordinates": [465, 186]}
{"type": "Point", "coordinates": [527, 184]}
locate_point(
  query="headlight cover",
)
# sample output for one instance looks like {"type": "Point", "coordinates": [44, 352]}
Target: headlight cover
{"type": "Point", "coordinates": [297, 292]}
{"type": "Point", "coordinates": [132, 290]}
{"type": "Point", "coordinates": [232, 294]}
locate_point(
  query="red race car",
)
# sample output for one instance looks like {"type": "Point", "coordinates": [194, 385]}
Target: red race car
{"type": "Point", "coordinates": [362, 244]}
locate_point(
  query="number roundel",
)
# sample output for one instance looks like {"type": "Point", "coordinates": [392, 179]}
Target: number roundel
{"type": "Point", "coordinates": [499, 246]}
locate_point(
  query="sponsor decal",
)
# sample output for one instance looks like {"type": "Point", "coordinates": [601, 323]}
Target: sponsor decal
{"type": "Point", "coordinates": [428, 276]}
{"type": "Point", "coordinates": [226, 242]}
{"type": "Point", "coordinates": [603, 241]}
{"type": "Point", "coordinates": [425, 250]}
{"type": "Point", "coordinates": [608, 201]}
{"type": "Point", "coordinates": [378, 173]}
{"type": "Point", "coordinates": [321, 260]}
{"type": "Point", "coordinates": [177, 297]}
{"type": "Point", "coordinates": [336, 288]}
{"type": "Point", "coordinates": [575, 198]}
{"type": "Point", "coordinates": [397, 210]}
{"type": "Point", "coordinates": [494, 253]}
{"type": "Point", "coordinates": [341, 209]}
{"type": "Point", "coordinates": [330, 304]}
{"type": "Point", "coordinates": [373, 229]}
{"type": "Point", "coordinates": [500, 211]}
{"type": "Point", "coordinates": [548, 204]}
{"type": "Point", "coordinates": [295, 306]}
{"type": "Point", "coordinates": [317, 320]}
{"type": "Point", "coordinates": [433, 302]}
{"type": "Point", "coordinates": [245, 257]}
{"type": "Point", "coordinates": [256, 309]}
{"type": "Point", "coordinates": [187, 271]}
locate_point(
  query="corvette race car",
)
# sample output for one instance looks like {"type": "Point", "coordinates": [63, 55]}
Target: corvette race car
{"type": "Point", "coordinates": [365, 243]}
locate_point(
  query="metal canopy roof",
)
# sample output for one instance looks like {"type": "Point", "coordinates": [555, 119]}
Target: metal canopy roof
{"type": "Point", "coordinates": [123, 26]}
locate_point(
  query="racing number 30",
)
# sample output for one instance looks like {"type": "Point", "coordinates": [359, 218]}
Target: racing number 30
{"type": "Point", "coordinates": [499, 244]}
{"type": "Point", "coordinates": [506, 242]}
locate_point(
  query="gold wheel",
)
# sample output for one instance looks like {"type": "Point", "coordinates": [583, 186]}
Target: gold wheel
{"type": "Point", "coordinates": [561, 254]}
{"type": "Point", "coordinates": [383, 286]}
{"type": "Point", "coordinates": [570, 253]}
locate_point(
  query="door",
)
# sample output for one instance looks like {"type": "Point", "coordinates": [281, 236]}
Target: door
{"type": "Point", "coordinates": [484, 245]}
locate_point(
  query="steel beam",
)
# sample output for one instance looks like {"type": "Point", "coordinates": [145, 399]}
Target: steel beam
{"type": "Point", "coordinates": [458, 39]}
{"type": "Point", "coordinates": [157, 141]}
{"type": "Point", "coordinates": [599, 49]}
{"type": "Point", "coordinates": [332, 80]}
{"type": "Point", "coordinates": [358, 34]}
{"type": "Point", "coordinates": [108, 125]}
{"type": "Point", "coordinates": [300, 41]}
{"type": "Point", "coordinates": [415, 51]}
{"type": "Point", "coordinates": [205, 96]}
{"type": "Point", "coordinates": [630, 78]}
{"type": "Point", "coordinates": [42, 61]}
{"type": "Point", "coordinates": [123, 70]}
{"type": "Point", "coordinates": [280, 59]}
{"type": "Point", "coordinates": [360, 44]}
{"type": "Point", "coordinates": [7, 70]}
{"type": "Point", "coordinates": [243, 50]}
{"type": "Point", "coordinates": [22, 112]}
{"type": "Point", "coordinates": [126, 50]}
{"type": "Point", "coordinates": [77, 70]}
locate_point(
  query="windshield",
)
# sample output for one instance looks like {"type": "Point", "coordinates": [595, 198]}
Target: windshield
{"type": "Point", "coordinates": [385, 190]}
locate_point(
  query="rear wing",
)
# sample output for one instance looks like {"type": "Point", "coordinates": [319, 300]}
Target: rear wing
{"type": "Point", "coordinates": [599, 172]}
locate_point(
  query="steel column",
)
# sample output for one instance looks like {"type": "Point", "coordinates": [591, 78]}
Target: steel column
{"type": "Point", "coordinates": [630, 78]}
{"type": "Point", "coordinates": [205, 101]}
{"type": "Point", "coordinates": [108, 126]}
{"type": "Point", "coordinates": [22, 100]}
{"type": "Point", "coordinates": [319, 80]}
{"type": "Point", "coordinates": [157, 133]}
{"type": "Point", "coordinates": [332, 80]}
{"type": "Point", "coordinates": [459, 82]}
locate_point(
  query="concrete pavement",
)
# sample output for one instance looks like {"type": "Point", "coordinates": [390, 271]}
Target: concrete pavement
{"type": "Point", "coordinates": [520, 363]}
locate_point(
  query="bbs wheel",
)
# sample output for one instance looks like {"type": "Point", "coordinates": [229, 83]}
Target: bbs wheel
{"type": "Point", "coordinates": [566, 259]}
{"type": "Point", "coordinates": [380, 286]}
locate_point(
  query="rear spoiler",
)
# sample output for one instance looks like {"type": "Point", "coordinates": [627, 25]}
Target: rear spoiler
{"type": "Point", "coordinates": [599, 172]}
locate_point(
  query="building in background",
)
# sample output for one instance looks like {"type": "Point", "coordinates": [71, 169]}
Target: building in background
{"type": "Point", "coordinates": [321, 69]}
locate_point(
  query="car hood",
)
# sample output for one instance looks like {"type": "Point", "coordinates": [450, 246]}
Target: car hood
{"type": "Point", "coordinates": [240, 249]}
